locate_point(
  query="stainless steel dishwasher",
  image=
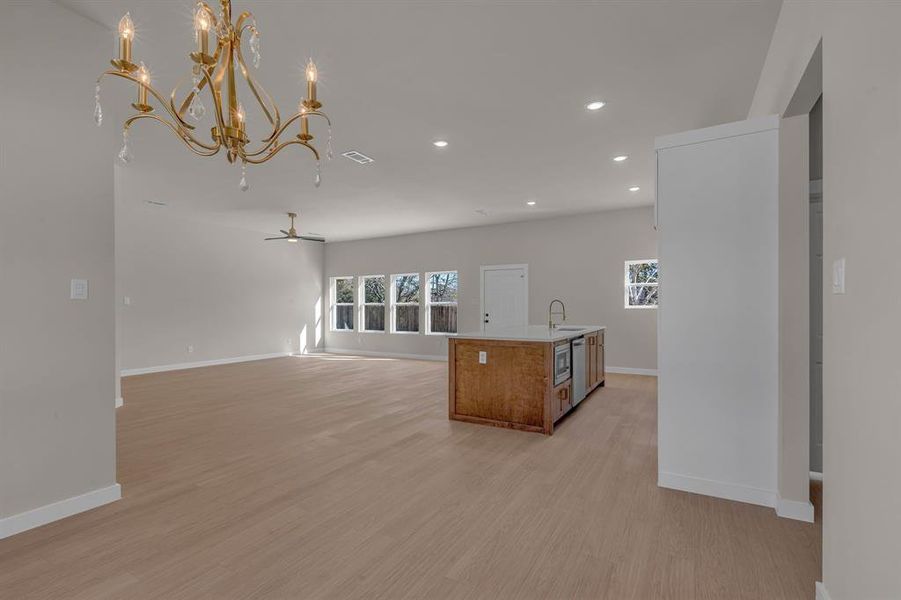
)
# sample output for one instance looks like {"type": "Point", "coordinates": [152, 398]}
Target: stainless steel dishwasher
{"type": "Point", "coordinates": [578, 369]}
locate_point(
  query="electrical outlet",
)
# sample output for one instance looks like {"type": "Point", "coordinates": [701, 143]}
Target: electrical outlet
{"type": "Point", "coordinates": [126, 300]}
{"type": "Point", "coordinates": [838, 276]}
{"type": "Point", "coordinates": [190, 348]}
{"type": "Point", "coordinates": [483, 357]}
{"type": "Point", "coordinates": [78, 289]}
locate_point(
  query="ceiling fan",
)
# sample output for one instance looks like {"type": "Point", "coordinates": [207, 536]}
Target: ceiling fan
{"type": "Point", "coordinates": [291, 234]}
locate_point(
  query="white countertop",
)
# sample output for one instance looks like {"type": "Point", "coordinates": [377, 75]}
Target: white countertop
{"type": "Point", "coordinates": [534, 333]}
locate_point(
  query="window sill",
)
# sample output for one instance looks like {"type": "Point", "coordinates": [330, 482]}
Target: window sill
{"type": "Point", "coordinates": [439, 334]}
{"type": "Point", "coordinates": [372, 331]}
{"type": "Point", "coordinates": [650, 307]}
{"type": "Point", "coordinates": [405, 332]}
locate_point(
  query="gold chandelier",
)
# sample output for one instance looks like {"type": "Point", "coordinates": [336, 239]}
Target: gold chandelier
{"type": "Point", "coordinates": [216, 73]}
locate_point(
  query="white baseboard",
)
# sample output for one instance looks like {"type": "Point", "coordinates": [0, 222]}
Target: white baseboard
{"type": "Point", "coordinates": [794, 509]}
{"type": "Point", "coordinates": [717, 489]}
{"type": "Point", "coordinates": [814, 476]}
{"type": "Point", "coordinates": [202, 363]}
{"type": "Point", "coordinates": [119, 402]}
{"type": "Point", "coordinates": [347, 351]}
{"type": "Point", "coordinates": [822, 594]}
{"type": "Point", "coordinates": [631, 371]}
{"type": "Point", "coordinates": [58, 510]}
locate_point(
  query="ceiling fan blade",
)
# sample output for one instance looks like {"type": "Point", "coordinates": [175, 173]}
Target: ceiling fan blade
{"type": "Point", "coordinates": [285, 232]}
{"type": "Point", "coordinates": [278, 238]}
{"type": "Point", "coordinates": [312, 238]}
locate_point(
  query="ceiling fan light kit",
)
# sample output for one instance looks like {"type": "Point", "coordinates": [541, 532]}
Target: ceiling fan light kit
{"type": "Point", "coordinates": [217, 74]}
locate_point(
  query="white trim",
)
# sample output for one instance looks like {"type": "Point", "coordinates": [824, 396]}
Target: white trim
{"type": "Point", "coordinates": [822, 594]}
{"type": "Point", "coordinates": [58, 510]}
{"type": "Point", "coordinates": [119, 402]}
{"type": "Point", "coordinates": [815, 476]}
{"type": "Point", "coordinates": [631, 371]}
{"type": "Point", "coordinates": [482, 269]}
{"type": "Point", "coordinates": [718, 132]}
{"type": "Point", "coordinates": [794, 509]}
{"type": "Point", "coordinates": [201, 363]}
{"type": "Point", "coordinates": [349, 352]}
{"type": "Point", "coordinates": [717, 489]}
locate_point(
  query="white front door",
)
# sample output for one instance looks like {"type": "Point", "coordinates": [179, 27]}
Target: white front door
{"type": "Point", "coordinates": [505, 297]}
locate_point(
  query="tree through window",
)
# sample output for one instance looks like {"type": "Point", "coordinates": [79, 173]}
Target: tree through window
{"type": "Point", "coordinates": [641, 283]}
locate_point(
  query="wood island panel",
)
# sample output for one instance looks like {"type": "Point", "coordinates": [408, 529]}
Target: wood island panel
{"type": "Point", "coordinates": [511, 390]}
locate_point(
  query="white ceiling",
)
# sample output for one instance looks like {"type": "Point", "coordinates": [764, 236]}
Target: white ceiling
{"type": "Point", "coordinates": [504, 82]}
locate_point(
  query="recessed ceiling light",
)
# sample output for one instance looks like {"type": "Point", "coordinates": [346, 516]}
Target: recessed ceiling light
{"type": "Point", "coordinates": [440, 143]}
{"type": "Point", "coordinates": [620, 158]}
{"type": "Point", "coordinates": [634, 188]}
{"type": "Point", "coordinates": [596, 105]}
{"type": "Point", "coordinates": [531, 203]}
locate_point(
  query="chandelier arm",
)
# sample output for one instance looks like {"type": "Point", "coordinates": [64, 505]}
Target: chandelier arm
{"type": "Point", "coordinates": [181, 135]}
{"type": "Point", "coordinates": [252, 84]}
{"type": "Point", "coordinates": [163, 103]}
{"type": "Point", "coordinates": [277, 149]}
{"type": "Point", "coordinates": [290, 120]}
{"type": "Point", "coordinates": [239, 24]}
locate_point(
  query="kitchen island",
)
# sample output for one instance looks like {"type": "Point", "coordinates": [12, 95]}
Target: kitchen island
{"type": "Point", "coordinates": [507, 378]}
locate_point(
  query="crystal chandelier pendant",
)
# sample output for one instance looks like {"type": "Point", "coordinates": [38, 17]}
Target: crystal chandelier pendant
{"type": "Point", "coordinates": [98, 112]}
{"type": "Point", "coordinates": [196, 109]}
{"type": "Point", "coordinates": [243, 183]}
{"type": "Point", "coordinates": [255, 47]}
{"type": "Point", "coordinates": [328, 148]}
{"type": "Point", "coordinates": [317, 176]}
{"type": "Point", "coordinates": [125, 155]}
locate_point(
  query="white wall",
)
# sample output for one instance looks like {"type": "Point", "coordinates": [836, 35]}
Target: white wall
{"type": "Point", "coordinates": [224, 291]}
{"type": "Point", "coordinates": [861, 407]}
{"type": "Point", "coordinates": [57, 362]}
{"type": "Point", "coordinates": [579, 259]}
{"type": "Point", "coordinates": [718, 192]}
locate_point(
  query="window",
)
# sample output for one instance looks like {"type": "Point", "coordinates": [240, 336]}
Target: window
{"type": "Point", "coordinates": [441, 302]}
{"type": "Point", "coordinates": [342, 303]}
{"type": "Point", "coordinates": [405, 303]}
{"type": "Point", "coordinates": [641, 283]}
{"type": "Point", "coordinates": [372, 308]}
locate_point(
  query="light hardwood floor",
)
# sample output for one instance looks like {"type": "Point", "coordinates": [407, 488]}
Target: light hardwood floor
{"type": "Point", "coordinates": [337, 477]}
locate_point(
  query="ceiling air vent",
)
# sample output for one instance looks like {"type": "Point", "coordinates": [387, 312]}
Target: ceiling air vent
{"type": "Point", "coordinates": [357, 157]}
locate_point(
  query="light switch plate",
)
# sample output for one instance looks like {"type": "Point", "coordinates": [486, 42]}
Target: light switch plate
{"type": "Point", "coordinates": [78, 289]}
{"type": "Point", "coordinates": [838, 276]}
{"type": "Point", "coordinates": [483, 357]}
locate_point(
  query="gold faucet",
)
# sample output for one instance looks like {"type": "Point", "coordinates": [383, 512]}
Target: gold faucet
{"type": "Point", "coordinates": [550, 313]}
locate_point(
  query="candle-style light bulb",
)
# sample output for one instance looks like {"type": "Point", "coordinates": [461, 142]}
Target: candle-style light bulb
{"type": "Point", "coordinates": [144, 78]}
{"type": "Point", "coordinates": [304, 121]}
{"type": "Point", "coordinates": [312, 76]}
{"type": "Point", "coordinates": [202, 30]}
{"type": "Point", "coordinates": [126, 28]}
{"type": "Point", "coordinates": [126, 35]}
{"type": "Point", "coordinates": [240, 115]}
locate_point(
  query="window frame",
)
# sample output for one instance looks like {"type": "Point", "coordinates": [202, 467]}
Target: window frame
{"type": "Point", "coordinates": [394, 304]}
{"type": "Point", "coordinates": [429, 304]}
{"type": "Point", "coordinates": [361, 294]}
{"type": "Point", "coordinates": [628, 284]}
{"type": "Point", "coordinates": [333, 304]}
